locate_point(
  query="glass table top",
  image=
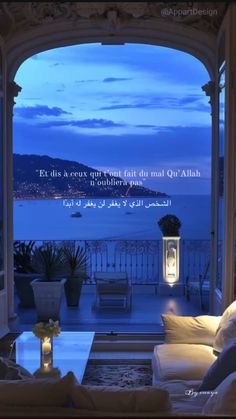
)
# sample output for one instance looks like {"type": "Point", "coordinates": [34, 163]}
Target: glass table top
{"type": "Point", "coordinates": [70, 352]}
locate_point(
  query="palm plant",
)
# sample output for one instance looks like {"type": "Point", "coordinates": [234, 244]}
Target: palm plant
{"type": "Point", "coordinates": [23, 256]}
{"type": "Point", "coordinates": [48, 289]}
{"type": "Point", "coordinates": [75, 265]}
{"type": "Point", "coordinates": [24, 272]}
{"type": "Point", "coordinates": [75, 259]}
{"type": "Point", "coordinates": [48, 260]}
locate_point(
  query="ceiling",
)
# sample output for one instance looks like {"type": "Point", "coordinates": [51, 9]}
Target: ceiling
{"type": "Point", "coordinates": [18, 17]}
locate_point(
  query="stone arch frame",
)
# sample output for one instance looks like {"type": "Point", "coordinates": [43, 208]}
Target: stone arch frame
{"type": "Point", "coordinates": [28, 33]}
{"type": "Point", "coordinates": [185, 39]}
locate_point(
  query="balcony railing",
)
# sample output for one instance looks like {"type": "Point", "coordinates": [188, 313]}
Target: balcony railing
{"type": "Point", "coordinates": [141, 259]}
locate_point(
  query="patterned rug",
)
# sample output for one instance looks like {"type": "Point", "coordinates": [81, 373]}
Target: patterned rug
{"type": "Point", "coordinates": [119, 374]}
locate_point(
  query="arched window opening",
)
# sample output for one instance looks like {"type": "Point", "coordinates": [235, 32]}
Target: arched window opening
{"type": "Point", "coordinates": [108, 140]}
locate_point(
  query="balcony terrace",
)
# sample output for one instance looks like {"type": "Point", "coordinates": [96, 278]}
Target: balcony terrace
{"type": "Point", "coordinates": [142, 261]}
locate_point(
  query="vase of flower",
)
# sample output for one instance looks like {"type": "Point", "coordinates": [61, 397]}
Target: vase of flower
{"type": "Point", "coordinates": [46, 332]}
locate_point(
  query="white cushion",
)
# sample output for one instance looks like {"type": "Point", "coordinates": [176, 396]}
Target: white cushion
{"type": "Point", "coordinates": [184, 397]}
{"type": "Point", "coordinates": [181, 361]}
{"type": "Point", "coordinates": [224, 324]}
{"type": "Point", "coordinates": [36, 392]}
{"type": "Point", "coordinates": [117, 399]}
{"type": "Point", "coordinates": [178, 386]}
{"type": "Point", "coordinates": [223, 401]}
{"type": "Point", "coordinates": [229, 311]}
{"type": "Point", "coordinates": [188, 329]}
{"type": "Point", "coordinates": [225, 334]}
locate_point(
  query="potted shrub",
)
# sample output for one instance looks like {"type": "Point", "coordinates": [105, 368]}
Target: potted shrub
{"type": "Point", "coordinates": [24, 272]}
{"type": "Point", "coordinates": [170, 226]}
{"type": "Point", "coordinates": [48, 260]}
{"type": "Point", "coordinates": [75, 264]}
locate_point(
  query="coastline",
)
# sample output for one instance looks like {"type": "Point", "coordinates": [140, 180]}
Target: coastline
{"type": "Point", "coordinates": [30, 198]}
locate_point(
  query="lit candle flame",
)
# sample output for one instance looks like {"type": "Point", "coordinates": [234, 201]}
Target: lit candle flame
{"type": "Point", "coordinates": [46, 345]}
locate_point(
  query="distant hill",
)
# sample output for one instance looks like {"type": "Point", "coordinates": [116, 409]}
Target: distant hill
{"type": "Point", "coordinates": [46, 177]}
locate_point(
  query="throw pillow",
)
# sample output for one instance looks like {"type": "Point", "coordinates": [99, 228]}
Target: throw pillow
{"type": "Point", "coordinates": [223, 401]}
{"type": "Point", "coordinates": [37, 392]}
{"type": "Point", "coordinates": [188, 329]}
{"type": "Point", "coordinates": [9, 370]}
{"type": "Point", "coordinates": [228, 313]}
{"type": "Point", "coordinates": [225, 334]}
{"type": "Point", "coordinates": [224, 365]}
{"type": "Point", "coordinates": [118, 399]}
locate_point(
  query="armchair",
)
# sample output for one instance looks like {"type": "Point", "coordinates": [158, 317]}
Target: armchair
{"type": "Point", "coordinates": [113, 290]}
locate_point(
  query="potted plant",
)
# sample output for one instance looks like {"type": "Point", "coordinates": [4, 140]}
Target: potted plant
{"type": "Point", "coordinates": [24, 272]}
{"type": "Point", "coordinates": [75, 264]}
{"type": "Point", "coordinates": [170, 226]}
{"type": "Point", "coordinates": [48, 260]}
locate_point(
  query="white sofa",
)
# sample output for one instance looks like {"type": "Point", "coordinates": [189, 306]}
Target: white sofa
{"type": "Point", "coordinates": [64, 397]}
{"type": "Point", "coordinates": [180, 364]}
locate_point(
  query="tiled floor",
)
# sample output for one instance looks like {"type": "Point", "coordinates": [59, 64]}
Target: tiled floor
{"type": "Point", "coordinates": [145, 315]}
{"type": "Point", "coordinates": [126, 345]}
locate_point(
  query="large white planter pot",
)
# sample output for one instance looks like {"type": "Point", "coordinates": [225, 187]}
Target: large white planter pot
{"type": "Point", "coordinates": [47, 297]}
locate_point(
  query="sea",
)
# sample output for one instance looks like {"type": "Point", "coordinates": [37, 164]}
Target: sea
{"type": "Point", "coordinates": [109, 219]}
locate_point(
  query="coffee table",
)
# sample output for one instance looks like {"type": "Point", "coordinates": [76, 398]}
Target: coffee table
{"type": "Point", "coordinates": [70, 352]}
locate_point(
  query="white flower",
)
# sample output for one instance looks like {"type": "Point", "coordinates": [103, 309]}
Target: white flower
{"type": "Point", "coordinates": [50, 329]}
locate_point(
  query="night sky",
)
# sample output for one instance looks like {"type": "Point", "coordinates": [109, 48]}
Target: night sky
{"type": "Point", "coordinates": [118, 107]}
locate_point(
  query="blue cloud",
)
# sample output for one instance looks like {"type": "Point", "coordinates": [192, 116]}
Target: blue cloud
{"type": "Point", "coordinates": [146, 126]}
{"type": "Point", "coordinates": [200, 107]}
{"type": "Point", "coordinates": [86, 81]}
{"type": "Point", "coordinates": [56, 64]}
{"type": "Point", "coordinates": [86, 123]}
{"type": "Point", "coordinates": [190, 99]}
{"type": "Point", "coordinates": [114, 79]}
{"type": "Point", "coordinates": [163, 102]}
{"type": "Point", "coordinates": [170, 144]}
{"type": "Point", "coordinates": [141, 105]}
{"type": "Point", "coordinates": [39, 110]}
{"type": "Point", "coordinates": [29, 98]}
{"type": "Point", "coordinates": [106, 80]}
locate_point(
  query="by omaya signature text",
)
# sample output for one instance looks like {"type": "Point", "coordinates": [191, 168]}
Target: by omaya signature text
{"type": "Point", "coordinates": [194, 393]}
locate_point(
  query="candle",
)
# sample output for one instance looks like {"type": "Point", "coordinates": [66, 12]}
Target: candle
{"type": "Point", "coordinates": [46, 346]}
{"type": "Point", "coordinates": [46, 359]}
